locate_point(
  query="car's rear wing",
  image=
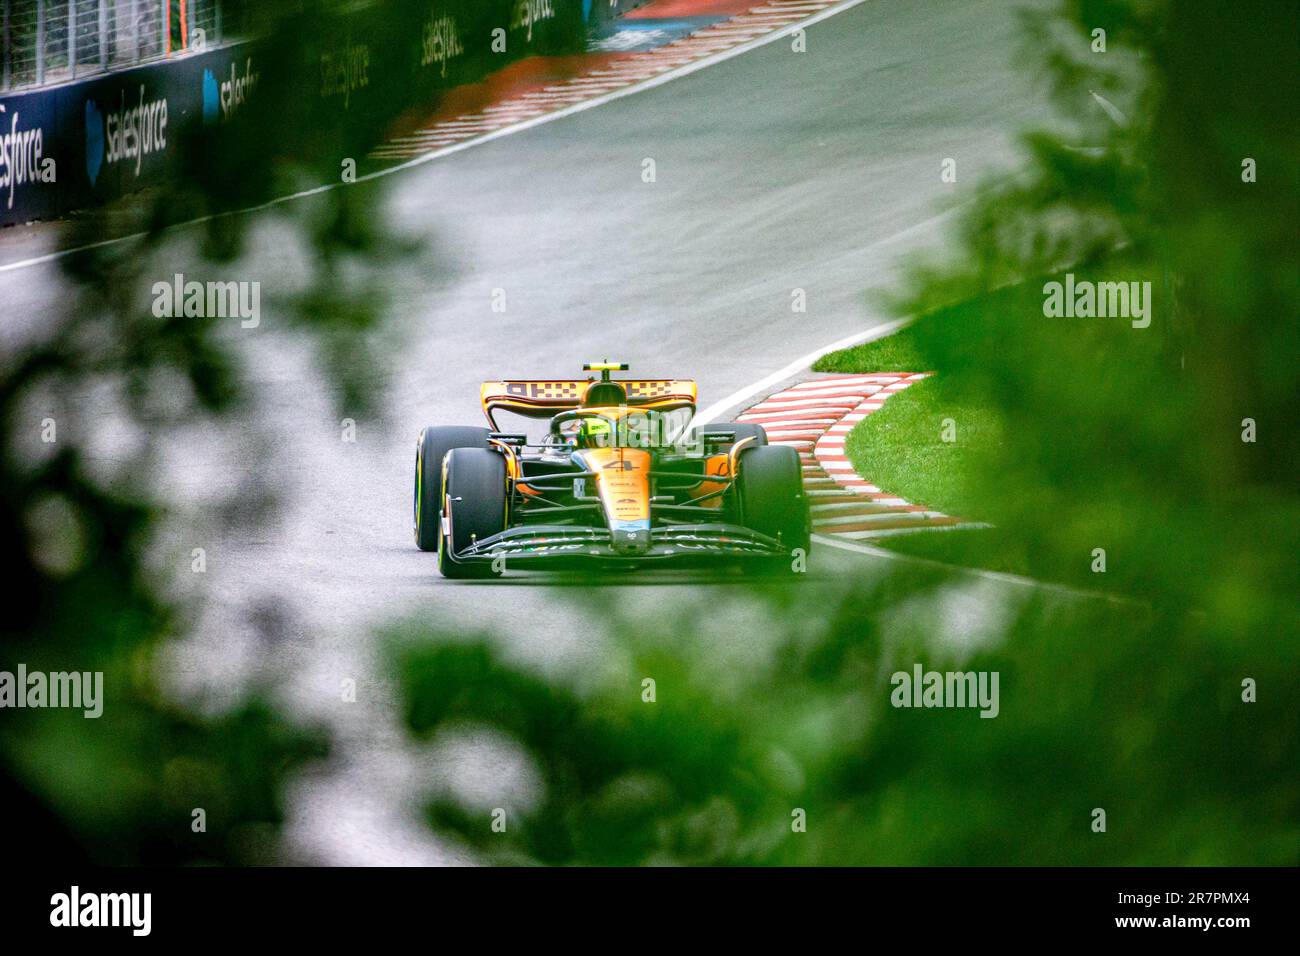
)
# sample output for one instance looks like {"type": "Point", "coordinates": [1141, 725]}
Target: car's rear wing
{"type": "Point", "coordinates": [541, 398]}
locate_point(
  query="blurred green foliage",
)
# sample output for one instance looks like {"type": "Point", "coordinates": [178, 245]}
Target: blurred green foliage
{"type": "Point", "coordinates": [1102, 705]}
{"type": "Point", "coordinates": [1112, 437]}
{"type": "Point", "coordinates": [79, 535]}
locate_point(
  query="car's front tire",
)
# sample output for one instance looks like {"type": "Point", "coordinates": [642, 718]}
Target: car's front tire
{"type": "Point", "coordinates": [431, 447]}
{"type": "Point", "coordinates": [474, 498]}
{"type": "Point", "coordinates": [769, 483]}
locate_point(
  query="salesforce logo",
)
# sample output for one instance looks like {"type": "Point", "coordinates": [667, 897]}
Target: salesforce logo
{"type": "Point", "coordinates": [21, 161]}
{"type": "Point", "coordinates": [128, 133]}
{"type": "Point", "coordinates": [223, 98]}
{"type": "Point", "coordinates": [211, 98]}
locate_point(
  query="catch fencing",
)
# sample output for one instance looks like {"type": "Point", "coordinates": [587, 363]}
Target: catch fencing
{"type": "Point", "coordinates": [44, 42]}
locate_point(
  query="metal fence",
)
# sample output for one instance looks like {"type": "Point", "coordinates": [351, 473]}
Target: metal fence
{"type": "Point", "coordinates": [52, 41]}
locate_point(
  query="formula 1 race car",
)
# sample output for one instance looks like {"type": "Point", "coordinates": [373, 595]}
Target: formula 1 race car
{"type": "Point", "coordinates": [620, 476]}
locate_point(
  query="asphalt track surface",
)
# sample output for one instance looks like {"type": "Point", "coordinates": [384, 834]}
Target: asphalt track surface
{"type": "Point", "coordinates": [775, 170]}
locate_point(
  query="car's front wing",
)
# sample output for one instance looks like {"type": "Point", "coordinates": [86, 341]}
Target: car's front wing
{"type": "Point", "coordinates": [684, 542]}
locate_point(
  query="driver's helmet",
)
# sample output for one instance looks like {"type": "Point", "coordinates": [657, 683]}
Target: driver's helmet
{"type": "Point", "coordinates": [594, 433]}
{"type": "Point", "coordinates": [605, 393]}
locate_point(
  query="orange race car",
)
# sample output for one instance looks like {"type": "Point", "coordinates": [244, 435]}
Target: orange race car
{"type": "Point", "coordinates": [620, 475]}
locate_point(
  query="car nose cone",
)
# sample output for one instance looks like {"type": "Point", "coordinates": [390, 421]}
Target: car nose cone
{"type": "Point", "coordinates": [630, 542]}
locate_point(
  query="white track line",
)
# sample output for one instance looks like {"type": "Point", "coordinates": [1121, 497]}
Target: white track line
{"type": "Point", "coordinates": [795, 367]}
{"type": "Point", "coordinates": [685, 70]}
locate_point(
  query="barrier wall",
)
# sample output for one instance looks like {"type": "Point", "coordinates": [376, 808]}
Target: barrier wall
{"type": "Point", "coordinates": [85, 143]}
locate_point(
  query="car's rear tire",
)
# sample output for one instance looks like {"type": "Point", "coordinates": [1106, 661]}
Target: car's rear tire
{"type": "Point", "coordinates": [474, 496]}
{"type": "Point", "coordinates": [742, 431]}
{"type": "Point", "coordinates": [431, 447]}
{"type": "Point", "coordinates": [769, 483]}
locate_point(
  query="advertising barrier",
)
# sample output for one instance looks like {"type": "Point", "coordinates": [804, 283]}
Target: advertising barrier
{"type": "Point", "coordinates": [85, 143]}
